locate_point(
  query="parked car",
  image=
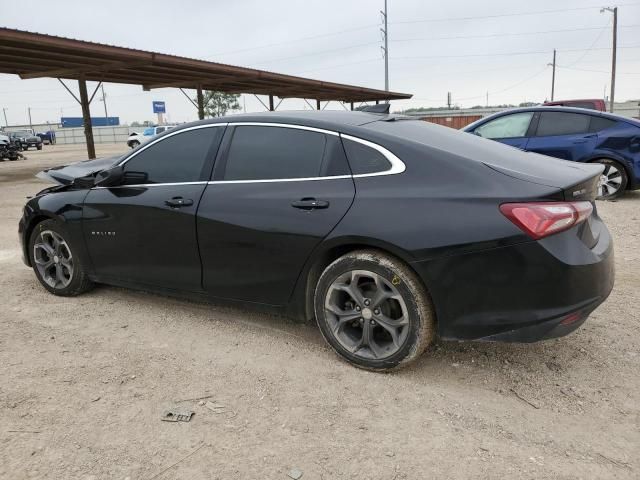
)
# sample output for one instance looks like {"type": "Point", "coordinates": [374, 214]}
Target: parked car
{"type": "Point", "coordinates": [25, 139]}
{"type": "Point", "coordinates": [48, 137]}
{"type": "Point", "coordinates": [4, 138]}
{"type": "Point", "coordinates": [136, 138]}
{"type": "Point", "coordinates": [590, 104]}
{"type": "Point", "coordinates": [388, 230]}
{"type": "Point", "coordinates": [573, 134]}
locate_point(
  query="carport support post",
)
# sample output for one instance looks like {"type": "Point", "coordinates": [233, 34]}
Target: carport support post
{"type": "Point", "coordinates": [271, 109]}
{"type": "Point", "coordinates": [351, 105]}
{"type": "Point", "coordinates": [86, 117]}
{"type": "Point", "coordinates": [200, 103]}
{"type": "Point", "coordinates": [318, 104]}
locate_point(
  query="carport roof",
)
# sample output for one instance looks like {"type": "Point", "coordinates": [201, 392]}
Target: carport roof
{"type": "Point", "coordinates": [35, 55]}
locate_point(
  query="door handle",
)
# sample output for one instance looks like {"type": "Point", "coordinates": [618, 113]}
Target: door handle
{"type": "Point", "coordinates": [177, 202]}
{"type": "Point", "coordinates": [310, 204]}
{"type": "Point", "coordinates": [585, 139]}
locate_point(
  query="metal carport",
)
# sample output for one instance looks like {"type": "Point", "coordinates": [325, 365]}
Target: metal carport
{"type": "Point", "coordinates": [35, 55]}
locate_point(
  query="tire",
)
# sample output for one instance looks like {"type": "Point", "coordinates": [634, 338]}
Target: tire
{"type": "Point", "coordinates": [614, 175]}
{"type": "Point", "coordinates": [342, 319]}
{"type": "Point", "coordinates": [134, 143]}
{"type": "Point", "coordinates": [61, 258]}
{"type": "Point", "coordinates": [39, 148]}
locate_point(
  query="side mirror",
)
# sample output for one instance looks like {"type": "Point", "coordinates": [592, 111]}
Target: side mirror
{"type": "Point", "coordinates": [109, 178]}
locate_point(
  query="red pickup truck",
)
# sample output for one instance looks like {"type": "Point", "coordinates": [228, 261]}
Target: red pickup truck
{"type": "Point", "coordinates": [592, 104]}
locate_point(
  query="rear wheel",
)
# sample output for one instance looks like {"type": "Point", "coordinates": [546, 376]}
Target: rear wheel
{"type": "Point", "coordinates": [134, 143]}
{"type": "Point", "coordinates": [373, 310]}
{"type": "Point", "coordinates": [613, 181]}
{"type": "Point", "coordinates": [55, 262]}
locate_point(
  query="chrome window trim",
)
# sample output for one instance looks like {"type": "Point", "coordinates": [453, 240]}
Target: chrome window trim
{"type": "Point", "coordinates": [397, 165]}
{"type": "Point", "coordinates": [164, 137]}
{"type": "Point", "coordinates": [284, 125]}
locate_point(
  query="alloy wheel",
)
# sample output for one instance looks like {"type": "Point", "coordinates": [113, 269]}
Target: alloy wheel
{"type": "Point", "coordinates": [53, 259]}
{"type": "Point", "coordinates": [367, 314]}
{"type": "Point", "coordinates": [610, 181]}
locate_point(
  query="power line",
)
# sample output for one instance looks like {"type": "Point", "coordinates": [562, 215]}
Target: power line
{"type": "Point", "coordinates": [312, 37]}
{"type": "Point", "coordinates": [595, 71]}
{"type": "Point", "coordinates": [492, 35]}
{"type": "Point", "coordinates": [501, 15]}
{"type": "Point", "coordinates": [506, 54]}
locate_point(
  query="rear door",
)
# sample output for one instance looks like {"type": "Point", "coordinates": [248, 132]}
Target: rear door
{"type": "Point", "coordinates": [146, 233]}
{"type": "Point", "coordinates": [277, 192]}
{"type": "Point", "coordinates": [511, 129]}
{"type": "Point", "coordinates": [564, 135]}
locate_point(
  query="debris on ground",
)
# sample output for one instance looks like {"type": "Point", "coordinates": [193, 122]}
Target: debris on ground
{"type": "Point", "coordinates": [216, 407]}
{"type": "Point", "coordinates": [295, 474]}
{"type": "Point", "coordinates": [177, 415]}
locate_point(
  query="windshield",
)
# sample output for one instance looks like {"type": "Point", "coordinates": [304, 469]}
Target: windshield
{"type": "Point", "coordinates": [148, 132]}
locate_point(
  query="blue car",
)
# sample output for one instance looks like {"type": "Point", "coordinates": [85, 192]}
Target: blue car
{"type": "Point", "coordinates": [574, 134]}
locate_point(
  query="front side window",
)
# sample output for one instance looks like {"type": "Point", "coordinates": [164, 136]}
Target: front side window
{"type": "Point", "coordinates": [268, 153]}
{"type": "Point", "coordinates": [160, 130]}
{"type": "Point", "coordinates": [562, 123]}
{"type": "Point", "coordinates": [176, 158]}
{"type": "Point", "coordinates": [508, 126]}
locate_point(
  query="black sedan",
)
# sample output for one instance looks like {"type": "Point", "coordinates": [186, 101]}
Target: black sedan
{"type": "Point", "coordinates": [389, 231]}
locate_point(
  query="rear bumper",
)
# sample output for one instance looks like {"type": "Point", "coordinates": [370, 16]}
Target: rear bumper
{"type": "Point", "coordinates": [520, 293]}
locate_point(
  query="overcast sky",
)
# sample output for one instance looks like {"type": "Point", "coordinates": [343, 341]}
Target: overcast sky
{"type": "Point", "coordinates": [466, 47]}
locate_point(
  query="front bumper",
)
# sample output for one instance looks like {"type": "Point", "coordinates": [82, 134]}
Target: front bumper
{"type": "Point", "coordinates": [520, 293]}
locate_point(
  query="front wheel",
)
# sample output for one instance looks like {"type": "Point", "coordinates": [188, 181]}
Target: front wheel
{"type": "Point", "coordinates": [134, 143]}
{"type": "Point", "coordinates": [613, 181]}
{"type": "Point", "coordinates": [55, 261]}
{"type": "Point", "coordinates": [373, 310]}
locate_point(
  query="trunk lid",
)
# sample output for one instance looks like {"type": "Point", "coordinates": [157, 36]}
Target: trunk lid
{"type": "Point", "coordinates": [65, 174]}
{"type": "Point", "coordinates": [578, 181]}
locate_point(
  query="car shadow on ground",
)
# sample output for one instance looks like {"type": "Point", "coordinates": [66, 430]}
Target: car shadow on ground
{"type": "Point", "coordinates": [442, 359]}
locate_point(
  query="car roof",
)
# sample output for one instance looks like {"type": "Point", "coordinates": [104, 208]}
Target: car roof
{"type": "Point", "coordinates": [552, 108]}
{"type": "Point", "coordinates": [333, 119]}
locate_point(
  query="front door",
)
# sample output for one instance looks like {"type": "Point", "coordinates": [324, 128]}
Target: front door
{"type": "Point", "coordinates": [278, 191]}
{"type": "Point", "coordinates": [146, 233]}
{"type": "Point", "coordinates": [510, 129]}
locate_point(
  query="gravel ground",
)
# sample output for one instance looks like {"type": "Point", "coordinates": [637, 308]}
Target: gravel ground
{"type": "Point", "coordinates": [86, 379]}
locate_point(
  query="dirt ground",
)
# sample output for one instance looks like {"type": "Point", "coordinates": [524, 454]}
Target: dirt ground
{"type": "Point", "coordinates": [86, 379]}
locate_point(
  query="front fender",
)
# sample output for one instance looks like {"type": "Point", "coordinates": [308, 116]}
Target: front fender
{"type": "Point", "coordinates": [59, 204]}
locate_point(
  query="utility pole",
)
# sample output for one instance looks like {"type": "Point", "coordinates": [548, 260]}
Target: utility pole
{"type": "Point", "coordinates": [30, 122]}
{"type": "Point", "coordinates": [553, 74]}
{"type": "Point", "coordinates": [4, 111]}
{"type": "Point", "coordinates": [104, 100]}
{"type": "Point", "coordinates": [385, 48]}
{"type": "Point", "coordinates": [449, 100]}
{"type": "Point", "coordinates": [613, 10]}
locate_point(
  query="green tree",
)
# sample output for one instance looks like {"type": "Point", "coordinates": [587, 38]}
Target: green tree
{"type": "Point", "coordinates": [217, 104]}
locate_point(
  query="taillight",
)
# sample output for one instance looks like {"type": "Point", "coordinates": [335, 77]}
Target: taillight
{"type": "Point", "coordinates": [541, 219]}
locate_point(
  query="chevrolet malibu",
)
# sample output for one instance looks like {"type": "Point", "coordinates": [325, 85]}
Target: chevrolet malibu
{"type": "Point", "coordinates": [389, 231]}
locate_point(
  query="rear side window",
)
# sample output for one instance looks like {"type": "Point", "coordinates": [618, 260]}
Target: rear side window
{"type": "Point", "coordinates": [268, 153]}
{"type": "Point", "coordinates": [177, 158]}
{"type": "Point", "coordinates": [561, 123]}
{"type": "Point", "coordinates": [508, 126]}
{"type": "Point", "coordinates": [600, 123]}
{"type": "Point", "coordinates": [364, 159]}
